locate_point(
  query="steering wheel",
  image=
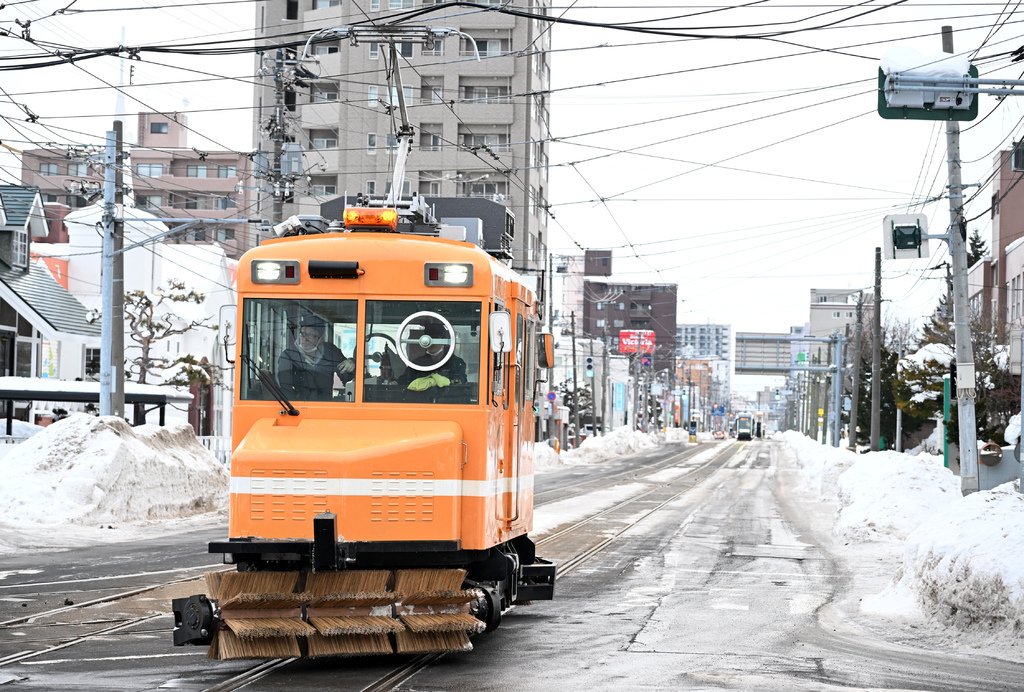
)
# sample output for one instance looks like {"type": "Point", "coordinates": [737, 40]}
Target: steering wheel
{"type": "Point", "coordinates": [416, 329]}
{"type": "Point", "coordinates": [386, 337]}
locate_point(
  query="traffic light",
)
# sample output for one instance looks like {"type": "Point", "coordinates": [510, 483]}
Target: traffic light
{"type": "Point", "coordinates": [590, 367]}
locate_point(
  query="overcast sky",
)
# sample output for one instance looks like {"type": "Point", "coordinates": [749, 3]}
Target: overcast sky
{"type": "Point", "coordinates": [759, 168]}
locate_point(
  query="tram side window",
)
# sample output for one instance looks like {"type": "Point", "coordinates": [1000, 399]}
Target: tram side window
{"type": "Point", "coordinates": [420, 351]}
{"type": "Point", "coordinates": [308, 347]}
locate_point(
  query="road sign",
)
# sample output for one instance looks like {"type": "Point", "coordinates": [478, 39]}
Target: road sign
{"type": "Point", "coordinates": [636, 341]}
{"type": "Point", "coordinates": [902, 236]}
{"type": "Point", "coordinates": [551, 396]}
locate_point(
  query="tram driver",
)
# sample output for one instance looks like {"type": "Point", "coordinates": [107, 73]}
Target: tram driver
{"type": "Point", "coordinates": [452, 371]}
{"type": "Point", "coordinates": [307, 368]}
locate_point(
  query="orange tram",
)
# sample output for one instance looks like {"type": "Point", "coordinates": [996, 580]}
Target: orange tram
{"type": "Point", "coordinates": [381, 486]}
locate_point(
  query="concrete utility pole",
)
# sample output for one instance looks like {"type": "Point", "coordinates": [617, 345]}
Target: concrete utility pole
{"type": "Point", "coordinates": [899, 414]}
{"type": "Point", "coordinates": [965, 391]}
{"type": "Point", "coordinates": [855, 394]}
{"type": "Point", "coordinates": [876, 357]}
{"type": "Point", "coordinates": [593, 392]}
{"type": "Point", "coordinates": [117, 313]}
{"type": "Point", "coordinates": [575, 382]}
{"type": "Point", "coordinates": [605, 415]}
{"type": "Point", "coordinates": [107, 274]}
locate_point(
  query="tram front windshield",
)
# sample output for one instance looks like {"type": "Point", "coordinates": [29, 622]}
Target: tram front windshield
{"type": "Point", "coordinates": [408, 351]}
{"type": "Point", "coordinates": [309, 348]}
{"type": "Point", "coordinates": [420, 351]}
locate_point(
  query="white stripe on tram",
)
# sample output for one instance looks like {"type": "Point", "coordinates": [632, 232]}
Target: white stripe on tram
{"type": "Point", "coordinates": [373, 487]}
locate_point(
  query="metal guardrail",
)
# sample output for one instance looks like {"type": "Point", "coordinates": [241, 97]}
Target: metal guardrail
{"type": "Point", "coordinates": [220, 446]}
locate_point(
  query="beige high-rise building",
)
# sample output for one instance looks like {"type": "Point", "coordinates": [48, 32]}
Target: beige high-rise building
{"type": "Point", "coordinates": [481, 126]}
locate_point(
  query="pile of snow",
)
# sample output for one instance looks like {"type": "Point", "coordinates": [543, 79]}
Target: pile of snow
{"type": "Point", "coordinates": [86, 471]}
{"type": "Point", "coordinates": [1012, 430]}
{"type": "Point", "coordinates": [20, 429]}
{"type": "Point", "coordinates": [617, 443]}
{"type": "Point", "coordinates": [888, 494]}
{"type": "Point", "coordinates": [966, 569]}
{"type": "Point", "coordinates": [930, 445]}
{"type": "Point", "coordinates": [821, 466]}
{"type": "Point", "coordinates": [956, 560]}
{"type": "Point", "coordinates": [545, 457]}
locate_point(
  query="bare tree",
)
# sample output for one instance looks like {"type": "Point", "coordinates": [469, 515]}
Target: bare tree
{"type": "Point", "coordinates": [152, 318]}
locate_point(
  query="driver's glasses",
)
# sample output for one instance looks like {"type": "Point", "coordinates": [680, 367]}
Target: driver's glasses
{"type": "Point", "coordinates": [310, 334]}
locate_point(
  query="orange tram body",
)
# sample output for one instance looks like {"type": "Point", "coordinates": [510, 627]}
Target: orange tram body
{"type": "Point", "coordinates": [383, 433]}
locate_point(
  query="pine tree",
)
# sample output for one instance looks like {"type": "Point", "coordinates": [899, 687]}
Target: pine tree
{"type": "Point", "coordinates": [976, 249]}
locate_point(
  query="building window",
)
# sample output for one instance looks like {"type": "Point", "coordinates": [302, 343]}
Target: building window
{"type": "Point", "coordinates": [48, 169]}
{"type": "Point", "coordinates": [1018, 157]}
{"type": "Point", "coordinates": [323, 185]}
{"type": "Point", "coordinates": [325, 49]}
{"type": "Point", "coordinates": [374, 5]}
{"type": "Point", "coordinates": [493, 137]}
{"type": "Point", "coordinates": [158, 128]}
{"type": "Point", "coordinates": [225, 234]}
{"type": "Point", "coordinates": [19, 246]}
{"type": "Point", "coordinates": [430, 183]}
{"type": "Point", "coordinates": [371, 143]}
{"type": "Point", "coordinates": [92, 363]}
{"type": "Point", "coordinates": [150, 170]}
{"type": "Point", "coordinates": [149, 201]}
{"type": "Point", "coordinates": [400, 4]}
{"type": "Point", "coordinates": [323, 139]}
{"type": "Point", "coordinates": [226, 202]}
{"type": "Point", "coordinates": [436, 47]}
{"type": "Point", "coordinates": [432, 90]}
{"type": "Point", "coordinates": [80, 170]}
{"type": "Point", "coordinates": [320, 95]}
{"type": "Point", "coordinates": [199, 236]}
{"type": "Point", "coordinates": [372, 95]}
{"type": "Point", "coordinates": [227, 171]}
{"type": "Point", "coordinates": [430, 137]}
{"type": "Point", "coordinates": [392, 141]}
{"type": "Point", "coordinates": [195, 170]}
{"type": "Point", "coordinates": [325, 4]}
{"type": "Point", "coordinates": [371, 187]}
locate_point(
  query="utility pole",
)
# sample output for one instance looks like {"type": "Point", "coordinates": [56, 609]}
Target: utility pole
{"type": "Point", "coordinates": [876, 357]}
{"type": "Point", "coordinates": [855, 394]}
{"type": "Point", "coordinates": [551, 329]}
{"type": "Point", "coordinates": [107, 274]}
{"type": "Point", "coordinates": [899, 415]}
{"type": "Point", "coordinates": [604, 383]}
{"type": "Point", "coordinates": [117, 310]}
{"type": "Point", "coordinates": [965, 391]}
{"type": "Point", "coordinates": [593, 393]}
{"type": "Point", "coordinates": [575, 385]}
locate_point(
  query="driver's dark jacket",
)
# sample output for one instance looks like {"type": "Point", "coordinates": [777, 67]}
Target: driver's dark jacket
{"type": "Point", "coordinates": [310, 381]}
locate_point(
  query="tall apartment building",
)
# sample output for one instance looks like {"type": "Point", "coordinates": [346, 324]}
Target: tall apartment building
{"type": "Point", "coordinates": [609, 308]}
{"type": "Point", "coordinates": [704, 340]}
{"type": "Point", "coordinates": [481, 125]}
{"type": "Point", "coordinates": [168, 179]}
{"type": "Point", "coordinates": [172, 180]}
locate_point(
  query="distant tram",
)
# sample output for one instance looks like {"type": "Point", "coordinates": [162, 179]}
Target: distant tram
{"type": "Point", "coordinates": [744, 426]}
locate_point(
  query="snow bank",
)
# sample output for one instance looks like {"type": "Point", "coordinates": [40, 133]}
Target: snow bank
{"type": "Point", "coordinates": [966, 569]}
{"type": "Point", "coordinates": [820, 465]}
{"type": "Point", "coordinates": [545, 457]}
{"type": "Point", "coordinates": [617, 443]}
{"type": "Point", "coordinates": [886, 495]}
{"type": "Point", "coordinates": [85, 470]}
{"type": "Point", "coordinates": [930, 445]}
{"type": "Point", "coordinates": [1012, 430]}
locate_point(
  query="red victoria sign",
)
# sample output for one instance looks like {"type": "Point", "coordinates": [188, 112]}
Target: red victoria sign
{"type": "Point", "coordinates": [636, 341]}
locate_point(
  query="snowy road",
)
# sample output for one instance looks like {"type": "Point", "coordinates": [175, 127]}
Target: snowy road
{"type": "Point", "coordinates": [707, 575]}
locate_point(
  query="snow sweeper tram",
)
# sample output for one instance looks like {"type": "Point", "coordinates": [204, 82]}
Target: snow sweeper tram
{"type": "Point", "coordinates": [381, 486]}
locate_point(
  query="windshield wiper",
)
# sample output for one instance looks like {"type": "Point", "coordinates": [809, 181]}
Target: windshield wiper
{"type": "Point", "coordinates": [270, 382]}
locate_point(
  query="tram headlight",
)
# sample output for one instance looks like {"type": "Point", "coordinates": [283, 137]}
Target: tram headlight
{"type": "Point", "coordinates": [275, 272]}
{"type": "Point", "coordinates": [448, 274]}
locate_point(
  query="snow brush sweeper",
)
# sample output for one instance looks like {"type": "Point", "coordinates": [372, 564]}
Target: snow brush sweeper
{"type": "Point", "coordinates": [381, 485]}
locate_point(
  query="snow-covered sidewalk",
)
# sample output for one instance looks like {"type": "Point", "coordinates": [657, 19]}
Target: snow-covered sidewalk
{"type": "Point", "coordinates": [929, 565]}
